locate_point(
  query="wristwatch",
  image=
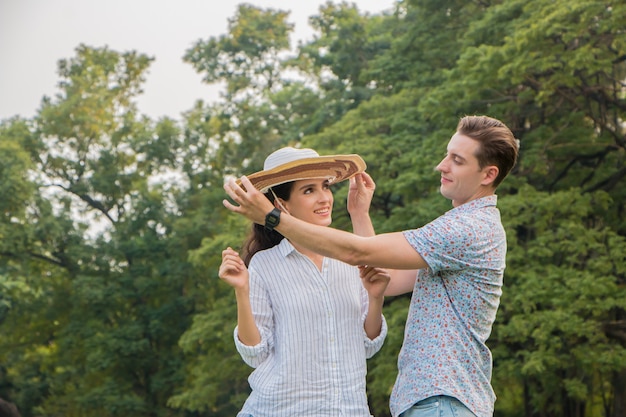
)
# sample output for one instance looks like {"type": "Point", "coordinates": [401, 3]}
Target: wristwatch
{"type": "Point", "coordinates": [272, 219]}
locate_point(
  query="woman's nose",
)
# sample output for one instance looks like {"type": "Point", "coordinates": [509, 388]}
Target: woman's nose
{"type": "Point", "coordinates": [327, 195]}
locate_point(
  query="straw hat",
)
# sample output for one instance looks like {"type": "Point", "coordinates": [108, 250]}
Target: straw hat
{"type": "Point", "coordinates": [291, 164]}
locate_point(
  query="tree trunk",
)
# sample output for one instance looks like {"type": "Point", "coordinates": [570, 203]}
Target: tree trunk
{"type": "Point", "coordinates": [619, 394]}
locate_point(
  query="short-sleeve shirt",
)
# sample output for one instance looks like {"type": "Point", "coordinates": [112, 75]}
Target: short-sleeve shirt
{"type": "Point", "coordinates": [453, 307]}
{"type": "Point", "coordinates": [311, 360]}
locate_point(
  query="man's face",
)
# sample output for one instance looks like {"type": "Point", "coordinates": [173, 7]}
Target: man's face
{"type": "Point", "coordinates": [462, 179]}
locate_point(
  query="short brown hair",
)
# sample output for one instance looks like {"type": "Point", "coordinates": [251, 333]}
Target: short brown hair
{"type": "Point", "coordinates": [498, 145]}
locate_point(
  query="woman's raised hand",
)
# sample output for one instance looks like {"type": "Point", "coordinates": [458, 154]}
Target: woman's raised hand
{"type": "Point", "coordinates": [233, 270]}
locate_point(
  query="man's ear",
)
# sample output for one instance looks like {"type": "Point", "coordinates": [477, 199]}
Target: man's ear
{"type": "Point", "coordinates": [491, 173]}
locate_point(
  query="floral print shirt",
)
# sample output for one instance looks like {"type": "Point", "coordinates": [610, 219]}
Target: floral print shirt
{"type": "Point", "coordinates": [453, 308]}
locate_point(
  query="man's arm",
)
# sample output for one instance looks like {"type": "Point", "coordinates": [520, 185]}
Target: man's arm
{"type": "Point", "coordinates": [389, 250]}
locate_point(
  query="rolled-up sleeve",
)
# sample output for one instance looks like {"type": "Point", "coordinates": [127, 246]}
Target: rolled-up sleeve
{"type": "Point", "coordinates": [372, 346]}
{"type": "Point", "coordinates": [253, 355]}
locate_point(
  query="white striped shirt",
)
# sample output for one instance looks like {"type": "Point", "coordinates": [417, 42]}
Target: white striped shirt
{"type": "Point", "coordinates": [311, 360]}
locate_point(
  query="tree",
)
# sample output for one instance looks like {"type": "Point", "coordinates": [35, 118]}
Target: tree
{"type": "Point", "coordinates": [102, 305]}
{"type": "Point", "coordinates": [560, 331]}
{"type": "Point", "coordinates": [110, 302]}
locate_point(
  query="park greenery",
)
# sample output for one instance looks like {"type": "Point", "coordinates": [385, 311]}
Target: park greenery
{"type": "Point", "coordinates": [112, 224]}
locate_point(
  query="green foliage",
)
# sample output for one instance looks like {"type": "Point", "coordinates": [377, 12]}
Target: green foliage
{"type": "Point", "coordinates": [382, 369]}
{"type": "Point", "coordinates": [248, 56]}
{"type": "Point", "coordinates": [14, 165]}
{"type": "Point", "coordinates": [564, 299]}
{"type": "Point", "coordinates": [103, 302]}
{"type": "Point", "coordinates": [347, 44]}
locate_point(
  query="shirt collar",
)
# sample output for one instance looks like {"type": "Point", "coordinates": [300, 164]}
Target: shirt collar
{"type": "Point", "coordinates": [285, 247]}
{"type": "Point", "coordinates": [488, 201]}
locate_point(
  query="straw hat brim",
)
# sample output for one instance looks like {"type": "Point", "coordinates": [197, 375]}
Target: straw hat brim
{"type": "Point", "coordinates": [336, 168]}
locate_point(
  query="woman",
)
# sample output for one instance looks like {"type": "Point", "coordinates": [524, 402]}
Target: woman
{"type": "Point", "coordinates": [305, 322]}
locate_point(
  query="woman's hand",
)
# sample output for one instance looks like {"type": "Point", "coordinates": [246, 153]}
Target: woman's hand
{"type": "Point", "coordinates": [360, 194]}
{"type": "Point", "coordinates": [375, 280]}
{"type": "Point", "coordinates": [233, 270]}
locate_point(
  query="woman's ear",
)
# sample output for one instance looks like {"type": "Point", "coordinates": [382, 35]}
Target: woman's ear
{"type": "Point", "coordinates": [278, 203]}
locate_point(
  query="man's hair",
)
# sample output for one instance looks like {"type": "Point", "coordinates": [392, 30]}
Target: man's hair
{"type": "Point", "coordinates": [498, 145]}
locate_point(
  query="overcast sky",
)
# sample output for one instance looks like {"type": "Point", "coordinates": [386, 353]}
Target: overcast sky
{"type": "Point", "coordinates": [36, 34]}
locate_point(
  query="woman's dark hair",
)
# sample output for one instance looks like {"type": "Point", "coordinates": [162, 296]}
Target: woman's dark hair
{"type": "Point", "coordinates": [8, 409]}
{"type": "Point", "coordinates": [260, 238]}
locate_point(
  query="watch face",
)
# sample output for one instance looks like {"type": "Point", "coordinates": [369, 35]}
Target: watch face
{"type": "Point", "coordinates": [272, 219]}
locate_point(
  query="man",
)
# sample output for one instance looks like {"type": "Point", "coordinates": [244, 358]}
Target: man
{"type": "Point", "coordinates": [444, 365]}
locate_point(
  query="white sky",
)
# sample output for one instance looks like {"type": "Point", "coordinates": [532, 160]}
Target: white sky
{"type": "Point", "coordinates": [36, 34]}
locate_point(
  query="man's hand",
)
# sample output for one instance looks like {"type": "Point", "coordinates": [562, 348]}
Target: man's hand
{"type": "Point", "coordinates": [251, 203]}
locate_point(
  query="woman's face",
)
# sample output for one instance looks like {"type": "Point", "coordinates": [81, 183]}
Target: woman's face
{"type": "Point", "coordinates": [311, 201]}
